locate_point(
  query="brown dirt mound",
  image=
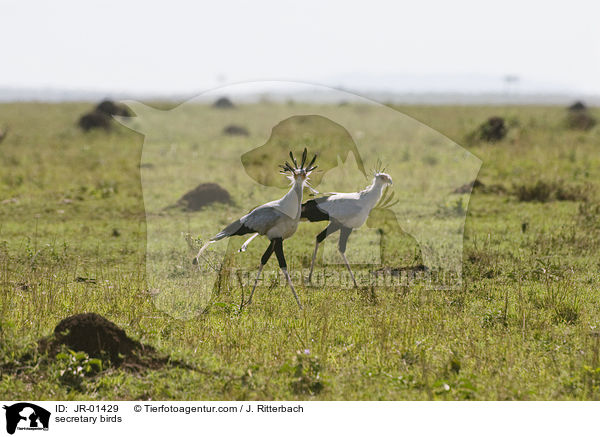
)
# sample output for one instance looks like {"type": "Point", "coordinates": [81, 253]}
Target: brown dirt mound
{"type": "Point", "coordinates": [100, 338]}
{"type": "Point", "coordinates": [235, 130]}
{"type": "Point", "coordinates": [468, 187]}
{"type": "Point", "coordinates": [494, 129]}
{"type": "Point", "coordinates": [109, 107]}
{"type": "Point", "coordinates": [203, 195]}
{"type": "Point", "coordinates": [94, 120]}
{"type": "Point", "coordinates": [577, 106]}
{"type": "Point", "coordinates": [477, 186]}
{"type": "Point", "coordinates": [101, 116]}
{"type": "Point", "coordinates": [223, 103]}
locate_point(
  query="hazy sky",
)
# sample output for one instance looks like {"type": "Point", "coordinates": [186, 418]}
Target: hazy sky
{"type": "Point", "coordinates": [176, 46]}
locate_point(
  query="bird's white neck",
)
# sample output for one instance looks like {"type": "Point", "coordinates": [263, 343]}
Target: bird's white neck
{"type": "Point", "coordinates": [372, 193]}
{"type": "Point", "coordinates": [290, 204]}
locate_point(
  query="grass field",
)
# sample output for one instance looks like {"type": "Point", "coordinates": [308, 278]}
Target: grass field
{"type": "Point", "coordinates": [523, 325]}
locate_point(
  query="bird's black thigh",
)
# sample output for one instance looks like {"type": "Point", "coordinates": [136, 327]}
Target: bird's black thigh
{"type": "Point", "coordinates": [344, 234]}
{"type": "Point", "coordinates": [330, 229]}
{"type": "Point", "coordinates": [268, 253]}
{"type": "Point", "coordinates": [279, 252]}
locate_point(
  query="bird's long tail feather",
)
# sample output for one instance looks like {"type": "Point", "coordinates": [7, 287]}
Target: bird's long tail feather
{"type": "Point", "coordinates": [229, 230]}
{"type": "Point", "coordinates": [202, 249]}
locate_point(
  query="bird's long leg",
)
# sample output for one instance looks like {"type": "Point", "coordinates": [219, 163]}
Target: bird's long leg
{"type": "Point", "coordinates": [344, 234]}
{"type": "Point", "coordinates": [312, 263]}
{"type": "Point", "coordinates": [263, 261]}
{"type": "Point", "coordinates": [283, 266]}
{"type": "Point", "coordinates": [247, 242]}
{"type": "Point", "coordinates": [330, 229]}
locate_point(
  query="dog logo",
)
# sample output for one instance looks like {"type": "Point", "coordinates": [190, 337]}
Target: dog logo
{"type": "Point", "coordinates": [26, 416]}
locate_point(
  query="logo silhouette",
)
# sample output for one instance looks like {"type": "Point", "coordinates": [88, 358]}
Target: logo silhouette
{"type": "Point", "coordinates": [26, 416]}
{"type": "Point", "coordinates": [188, 145]}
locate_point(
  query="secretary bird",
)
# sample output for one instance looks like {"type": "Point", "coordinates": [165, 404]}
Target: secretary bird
{"type": "Point", "coordinates": [277, 220]}
{"type": "Point", "coordinates": [344, 212]}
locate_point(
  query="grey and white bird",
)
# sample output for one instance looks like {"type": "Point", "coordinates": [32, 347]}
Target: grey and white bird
{"type": "Point", "coordinates": [344, 212]}
{"type": "Point", "coordinates": [277, 220]}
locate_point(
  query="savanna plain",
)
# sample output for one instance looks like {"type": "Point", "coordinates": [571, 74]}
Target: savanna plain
{"type": "Point", "coordinates": [523, 325]}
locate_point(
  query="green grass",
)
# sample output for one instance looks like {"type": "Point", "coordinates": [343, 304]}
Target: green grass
{"type": "Point", "coordinates": [524, 325]}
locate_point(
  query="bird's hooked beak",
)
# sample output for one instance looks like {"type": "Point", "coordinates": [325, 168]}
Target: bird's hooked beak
{"type": "Point", "coordinates": [384, 178]}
